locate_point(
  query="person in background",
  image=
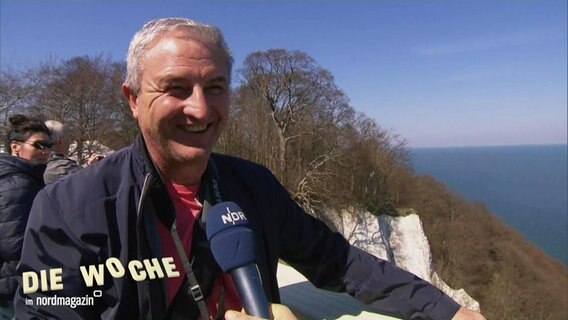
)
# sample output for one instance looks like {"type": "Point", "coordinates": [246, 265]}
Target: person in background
{"type": "Point", "coordinates": [21, 177]}
{"type": "Point", "coordinates": [150, 200]}
{"type": "Point", "coordinates": [59, 165]}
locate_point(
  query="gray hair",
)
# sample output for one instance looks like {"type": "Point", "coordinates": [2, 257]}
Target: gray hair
{"type": "Point", "coordinates": [154, 29]}
{"type": "Point", "coordinates": [56, 128]}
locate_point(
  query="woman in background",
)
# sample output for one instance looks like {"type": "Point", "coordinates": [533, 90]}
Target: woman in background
{"type": "Point", "coordinates": [21, 177]}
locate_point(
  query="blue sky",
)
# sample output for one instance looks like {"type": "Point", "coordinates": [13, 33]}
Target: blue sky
{"type": "Point", "coordinates": [439, 73]}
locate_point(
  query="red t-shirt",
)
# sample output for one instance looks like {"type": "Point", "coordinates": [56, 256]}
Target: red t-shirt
{"type": "Point", "coordinates": [187, 209]}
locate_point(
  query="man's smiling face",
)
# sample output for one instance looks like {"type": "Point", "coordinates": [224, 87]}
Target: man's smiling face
{"type": "Point", "coordinates": [182, 105]}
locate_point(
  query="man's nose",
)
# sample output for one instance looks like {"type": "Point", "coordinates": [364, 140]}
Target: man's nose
{"type": "Point", "coordinates": [196, 105]}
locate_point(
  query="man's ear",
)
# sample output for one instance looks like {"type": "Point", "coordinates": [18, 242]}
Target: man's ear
{"type": "Point", "coordinates": [15, 147]}
{"type": "Point", "coordinates": [132, 98]}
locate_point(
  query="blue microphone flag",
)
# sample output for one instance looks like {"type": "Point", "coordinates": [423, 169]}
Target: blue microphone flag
{"type": "Point", "coordinates": [230, 236]}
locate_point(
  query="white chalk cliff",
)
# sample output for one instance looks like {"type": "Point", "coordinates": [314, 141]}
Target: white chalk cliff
{"type": "Point", "coordinates": [400, 240]}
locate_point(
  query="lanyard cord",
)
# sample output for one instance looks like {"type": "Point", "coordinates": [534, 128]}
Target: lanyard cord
{"type": "Point", "coordinates": [212, 194]}
{"type": "Point", "coordinates": [194, 287]}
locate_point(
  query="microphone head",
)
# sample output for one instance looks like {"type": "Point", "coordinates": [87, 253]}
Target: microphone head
{"type": "Point", "coordinates": [230, 236]}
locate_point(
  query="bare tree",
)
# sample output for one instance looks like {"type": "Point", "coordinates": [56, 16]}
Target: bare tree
{"type": "Point", "coordinates": [84, 94]}
{"type": "Point", "coordinates": [16, 90]}
{"type": "Point", "coordinates": [289, 115]}
{"type": "Point", "coordinates": [284, 111]}
{"type": "Point", "coordinates": [291, 86]}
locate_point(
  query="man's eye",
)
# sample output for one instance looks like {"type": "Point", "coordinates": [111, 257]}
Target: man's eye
{"type": "Point", "coordinates": [178, 91]}
{"type": "Point", "coordinates": [215, 90]}
{"type": "Point", "coordinates": [176, 88]}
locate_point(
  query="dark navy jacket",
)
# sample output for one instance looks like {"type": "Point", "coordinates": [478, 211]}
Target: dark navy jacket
{"type": "Point", "coordinates": [109, 210]}
{"type": "Point", "coordinates": [20, 181]}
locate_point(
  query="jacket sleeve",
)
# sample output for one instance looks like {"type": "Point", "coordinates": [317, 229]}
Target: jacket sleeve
{"type": "Point", "coordinates": [49, 244]}
{"type": "Point", "coordinates": [331, 263]}
{"type": "Point", "coordinates": [16, 195]}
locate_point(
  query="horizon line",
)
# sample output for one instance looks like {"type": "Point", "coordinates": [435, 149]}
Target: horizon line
{"type": "Point", "coordinates": [564, 143]}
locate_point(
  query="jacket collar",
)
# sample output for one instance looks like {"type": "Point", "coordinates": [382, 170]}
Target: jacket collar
{"type": "Point", "coordinates": [209, 193]}
{"type": "Point", "coordinates": [12, 165]}
{"type": "Point", "coordinates": [142, 158]}
{"type": "Point", "coordinates": [151, 182]}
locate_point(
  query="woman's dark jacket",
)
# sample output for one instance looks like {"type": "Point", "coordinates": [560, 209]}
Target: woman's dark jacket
{"type": "Point", "coordinates": [20, 181]}
{"type": "Point", "coordinates": [109, 210]}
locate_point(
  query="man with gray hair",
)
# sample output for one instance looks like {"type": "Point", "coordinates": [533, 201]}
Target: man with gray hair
{"type": "Point", "coordinates": [149, 203]}
{"type": "Point", "coordinates": [59, 165]}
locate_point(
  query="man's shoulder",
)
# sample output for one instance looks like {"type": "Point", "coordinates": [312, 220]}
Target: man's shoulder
{"type": "Point", "coordinates": [60, 159]}
{"type": "Point", "coordinates": [84, 200]}
{"type": "Point", "coordinates": [101, 179]}
{"type": "Point", "coordinates": [63, 164]}
{"type": "Point", "coordinates": [241, 174]}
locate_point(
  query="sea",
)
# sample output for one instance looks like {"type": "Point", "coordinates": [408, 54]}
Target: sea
{"type": "Point", "coordinates": [527, 186]}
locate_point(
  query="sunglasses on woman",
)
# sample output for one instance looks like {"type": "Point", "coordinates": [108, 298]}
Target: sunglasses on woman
{"type": "Point", "coordinates": [40, 145]}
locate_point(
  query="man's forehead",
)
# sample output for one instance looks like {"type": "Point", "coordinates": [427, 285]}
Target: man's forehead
{"type": "Point", "coordinates": [186, 46]}
{"type": "Point", "coordinates": [186, 35]}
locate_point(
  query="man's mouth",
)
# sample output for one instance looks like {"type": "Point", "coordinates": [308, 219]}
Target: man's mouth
{"type": "Point", "coordinates": [195, 128]}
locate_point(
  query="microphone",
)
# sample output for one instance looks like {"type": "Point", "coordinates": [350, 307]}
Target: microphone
{"type": "Point", "coordinates": [232, 244]}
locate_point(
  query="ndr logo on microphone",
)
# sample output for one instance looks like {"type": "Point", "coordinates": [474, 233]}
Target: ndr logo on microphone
{"type": "Point", "coordinates": [232, 217]}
